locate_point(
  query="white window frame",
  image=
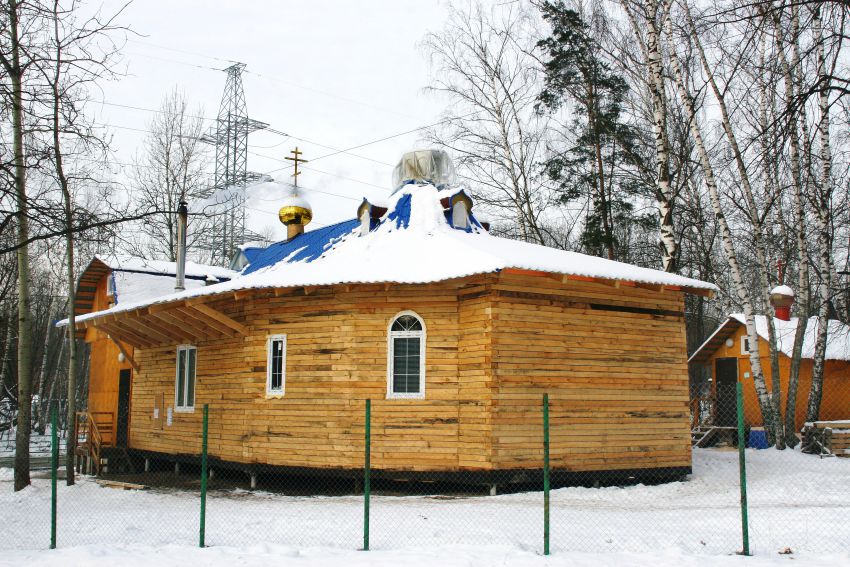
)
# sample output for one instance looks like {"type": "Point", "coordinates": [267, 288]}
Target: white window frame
{"type": "Point", "coordinates": [745, 343]}
{"type": "Point", "coordinates": [185, 408]}
{"type": "Point", "coordinates": [422, 335]}
{"type": "Point", "coordinates": [269, 390]}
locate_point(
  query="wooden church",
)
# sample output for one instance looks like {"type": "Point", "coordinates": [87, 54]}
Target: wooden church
{"type": "Point", "coordinates": [453, 333]}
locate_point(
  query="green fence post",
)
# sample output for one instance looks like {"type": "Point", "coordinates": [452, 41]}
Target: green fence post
{"type": "Point", "coordinates": [366, 481]}
{"type": "Point", "coordinates": [545, 474]}
{"type": "Point", "coordinates": [54, 466]}
{"type": "Point", "coordinates": [202, 534]}
{"type": "Point", "coordinates": [742, 466]}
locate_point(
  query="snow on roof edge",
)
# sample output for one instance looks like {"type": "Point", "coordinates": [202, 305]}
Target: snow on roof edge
{"type": "Point", "coordinates": [233, 285]}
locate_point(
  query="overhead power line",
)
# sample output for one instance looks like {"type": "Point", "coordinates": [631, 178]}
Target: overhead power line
{"type": "Point", "coordinates": [186, 52]}
{"type": "Point", "coordinates": [268, 77]}
{"type": "Point", "coordinates": [384, 139]}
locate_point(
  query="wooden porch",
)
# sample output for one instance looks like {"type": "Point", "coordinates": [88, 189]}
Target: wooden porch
{"type": "Point", "coordinates": [705, 429]}
{"type": "Point", "coordinates": [96, 443]}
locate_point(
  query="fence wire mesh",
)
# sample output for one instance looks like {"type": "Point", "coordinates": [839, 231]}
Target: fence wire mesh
{"type": "Point", "coordinates": [796, 499]}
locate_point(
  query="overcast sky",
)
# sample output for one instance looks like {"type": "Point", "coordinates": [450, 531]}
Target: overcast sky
{"type": "Point", "coordinates": [332, 74]}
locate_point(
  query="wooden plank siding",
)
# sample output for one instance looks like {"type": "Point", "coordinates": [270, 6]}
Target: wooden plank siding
{"type": "Point", "coordinates": [104, 366]}
{"type": "Point", "coordinates": [617, 379]}
{"type": "Point", "coordinates": [336, 358]}
{"type": "Point", "coordinates": [612, 359]}
{"type": "Point", "coordinates": [836, 381]}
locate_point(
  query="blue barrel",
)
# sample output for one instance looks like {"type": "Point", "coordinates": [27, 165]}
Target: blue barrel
{"type": "Point", "coordinates": [757, 438]}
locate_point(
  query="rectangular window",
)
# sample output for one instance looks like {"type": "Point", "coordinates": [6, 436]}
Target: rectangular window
{"type": "Point", "coordinates": [184, 396]}
{"type": "Point", "coordinates": [276, 365]}
{"type": "Point", "coordinates": [745, 345]}
{"type": "Point", "coordinates": [406, 365]}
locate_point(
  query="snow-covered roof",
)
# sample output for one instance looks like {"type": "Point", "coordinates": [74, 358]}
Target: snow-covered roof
{"type": "Point", "coordinates": [138, 280]}
{"type": "Point", "coordinates": [414, 243]}
{"type": "Point", "coordinates": [837, 344]}
{"type": "Point", "coordinates": [138, 287]}
{"type": "Point", "coordinates": [164, 267]}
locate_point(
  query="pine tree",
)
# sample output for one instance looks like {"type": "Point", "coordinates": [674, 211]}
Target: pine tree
{"type": "Point", "coordinates": [597, 160]}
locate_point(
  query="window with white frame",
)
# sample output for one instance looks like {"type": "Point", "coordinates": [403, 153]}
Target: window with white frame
{"type": "Point", "coordinates": [184, 395]}
{"type": "Point", "coordinates": [745, 345]}
{"type": "Point", "coordinates": [406, 356]}
{"type": "Point", "coordinates": [276, 365]}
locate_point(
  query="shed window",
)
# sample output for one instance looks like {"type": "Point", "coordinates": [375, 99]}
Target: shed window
{"type": "Point", "coordinates": [406, 357]}
{"type": "Point", "coordinates": [745, 345]}
{"type": "Point", "coordinates": [184, 395]}
{"type": "Point", "coordinates": [276, 365]}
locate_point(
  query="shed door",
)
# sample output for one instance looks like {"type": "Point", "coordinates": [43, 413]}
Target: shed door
{"type": "Point", "coordinates": [123, 408]}
{"type": "Point", "coordinates": [726, 375]}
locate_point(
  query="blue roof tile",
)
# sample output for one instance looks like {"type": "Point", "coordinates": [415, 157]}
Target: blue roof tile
{"type": "Point", "coordinates": [306, 247]}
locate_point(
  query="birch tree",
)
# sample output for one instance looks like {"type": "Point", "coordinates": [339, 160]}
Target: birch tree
{"type": "Point", "coordinates": [651, 49]}
{"type": "Point", "coordinates": [821, 199]}
{"type": "Point", "coordinates": [727, 239]}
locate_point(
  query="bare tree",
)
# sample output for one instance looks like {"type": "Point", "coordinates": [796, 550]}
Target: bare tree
{"type": "Point", "coordinates": [16, 61]}
{"type": "Point", "coordinates": [483, 64]}
{"type": "Point", "coordinates": [171, 170]}
{"type": "Point", "coordinates": [743, 294]}
{"type": "Point", "coordinates": [79, 60]}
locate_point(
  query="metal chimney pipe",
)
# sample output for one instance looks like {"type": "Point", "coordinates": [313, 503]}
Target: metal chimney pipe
{"type": "Point", "coordinates": [182, 219]}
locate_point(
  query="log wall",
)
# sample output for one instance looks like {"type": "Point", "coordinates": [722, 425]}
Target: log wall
{"type": "Point", "coordinates": [612, 358]}
{"type": "Point", "coordinates": [336, 358]}
{"type": "Point", "coordinates": [613, 361]}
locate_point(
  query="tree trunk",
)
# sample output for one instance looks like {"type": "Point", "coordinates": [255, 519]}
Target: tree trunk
{"type": "Point", "coordinates": [821, 206]}
{"type": "Point", "coordinates": [22, 436]}
{"type": "Point", "coordinates": [39, 420]}
{"type": "Point", "coordinates": [664, 191]}
{"type": "Point", "coordinates": [69, 254]}
{"type": "Point", "coordinates": [757, 232]}
{"type": "Point", "coordinates": [800, 222]}
{"type": "Point", "coordinates": [725, 232]}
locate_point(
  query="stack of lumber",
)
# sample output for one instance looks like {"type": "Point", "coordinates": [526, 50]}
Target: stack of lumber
{"type": "Point", "coordinates": [827, 437]}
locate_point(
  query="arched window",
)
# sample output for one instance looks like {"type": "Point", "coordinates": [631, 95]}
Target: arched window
{"type": "Point", "coordinates": [406, 356]}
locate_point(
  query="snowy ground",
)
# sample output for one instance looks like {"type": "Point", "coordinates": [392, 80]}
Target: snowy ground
{"type": "Point", "coordinates": [798, 502]}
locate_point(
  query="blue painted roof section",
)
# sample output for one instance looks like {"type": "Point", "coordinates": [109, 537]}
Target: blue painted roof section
{"type": "Point", "coordinates": [307, 247]}
{"type": "Point", "coordinates": [252, 253]}
{"type": "Point", "coordinates": [401, 213]}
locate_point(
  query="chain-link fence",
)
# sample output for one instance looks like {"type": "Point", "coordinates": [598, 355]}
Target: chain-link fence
{"type": "Point", "coordinates": [795, 501]}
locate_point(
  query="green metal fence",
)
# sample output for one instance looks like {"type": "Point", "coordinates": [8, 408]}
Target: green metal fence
{"type": "Point", "coordinates": [218, 504]}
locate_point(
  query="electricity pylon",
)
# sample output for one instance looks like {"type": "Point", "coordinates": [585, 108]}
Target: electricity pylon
{"type": "Point", "coordinates": [230, 137]}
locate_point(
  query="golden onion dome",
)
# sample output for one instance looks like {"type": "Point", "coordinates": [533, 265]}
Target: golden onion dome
{"type": "Point", "coordinates": [295, 210]}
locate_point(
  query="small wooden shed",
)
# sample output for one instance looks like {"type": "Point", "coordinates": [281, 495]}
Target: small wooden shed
{"type": "Point", "coordinates": [453, 333]}
{"type": "Point", "coordinates": [726, 354]}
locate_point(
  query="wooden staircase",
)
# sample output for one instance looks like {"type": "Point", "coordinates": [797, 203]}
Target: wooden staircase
{"type": "Point", "coordinates": [704, 431]}
{"type": "Point", "coordinates": [93, 432]}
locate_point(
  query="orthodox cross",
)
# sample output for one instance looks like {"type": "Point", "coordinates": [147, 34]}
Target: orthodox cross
{"type": "Point", "coordinates": [780, 266]}
{"type": "Point", "coordinates": [296, 159]}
